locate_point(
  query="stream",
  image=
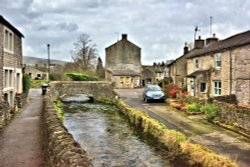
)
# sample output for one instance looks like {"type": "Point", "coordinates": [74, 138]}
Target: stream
{"type": "Point", "coordinates": [105, 134]}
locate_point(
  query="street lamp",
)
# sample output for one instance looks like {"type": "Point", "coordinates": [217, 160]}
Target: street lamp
{"type": "Point", "coordinates": [48, 45]}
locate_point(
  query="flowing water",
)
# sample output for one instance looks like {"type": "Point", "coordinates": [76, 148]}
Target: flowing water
{"type": "Point", "coordinates": [108, 138]}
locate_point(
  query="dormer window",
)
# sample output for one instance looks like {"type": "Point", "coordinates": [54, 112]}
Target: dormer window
{"type": "Point", "coordinates": [217, 58]}
{"type": "Point", "coordinates": [196, 64]}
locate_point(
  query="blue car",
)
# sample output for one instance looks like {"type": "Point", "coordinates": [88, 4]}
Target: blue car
{"type": "Point", "coordinates": [153, 92]}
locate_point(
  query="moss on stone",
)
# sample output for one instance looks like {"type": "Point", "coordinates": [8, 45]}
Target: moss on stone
{"type": "Point", "coordinates": [179, 146]}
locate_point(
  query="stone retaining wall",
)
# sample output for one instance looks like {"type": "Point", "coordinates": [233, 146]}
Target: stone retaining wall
{"type": "Point", "coordinates": [179, 147]}
{"type": "Point", "coordinates": [234, 115]}
{"type": "Point", "coordinates": [61, 148]}
{"type": "Point", "coordinates": [6, 113]}
{"type": "Point", "coordinates": [229, 113]}
{"type": "Point", "coordinates": [98, 89]}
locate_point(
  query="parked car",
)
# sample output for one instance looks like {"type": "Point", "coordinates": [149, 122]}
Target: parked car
{"type": "Point", "coordinates": [153, 92]}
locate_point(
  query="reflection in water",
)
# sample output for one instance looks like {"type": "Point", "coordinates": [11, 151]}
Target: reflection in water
{"type": "Point", "coordinates": [108, 138]}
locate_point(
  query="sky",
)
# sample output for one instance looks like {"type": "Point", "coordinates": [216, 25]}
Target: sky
{"type": "Point", "coordinates": [159, 27]}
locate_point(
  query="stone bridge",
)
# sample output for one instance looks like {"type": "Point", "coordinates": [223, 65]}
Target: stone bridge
{"type": "Point", "coordinates": [97, 89]}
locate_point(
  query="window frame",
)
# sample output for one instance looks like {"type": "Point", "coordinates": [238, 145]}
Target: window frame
{"type": "Point", "coordinates": [217, 87]}
{"type": "Point", "coordinates": [217, 58]}
{"type": "Point", "coordinates": [196, 63]}
{"type": "Point", "coordinates": [8, 40]}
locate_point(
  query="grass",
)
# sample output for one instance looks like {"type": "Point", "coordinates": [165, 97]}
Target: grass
{"type": "Point", "coordinates": [58, 107]}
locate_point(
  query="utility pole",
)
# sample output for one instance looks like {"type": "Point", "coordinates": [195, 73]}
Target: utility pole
{"type": "Point", "coordinates": [48, 45]}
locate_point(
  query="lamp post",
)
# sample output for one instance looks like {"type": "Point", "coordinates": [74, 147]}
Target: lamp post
{"type": "Point", "coordinates": [48, 45]}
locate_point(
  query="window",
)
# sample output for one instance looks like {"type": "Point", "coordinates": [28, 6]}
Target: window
{"type": "Point", "coordinates": [217, 88]}
{"type": "Point", "coordinates": [6, 74]}
{"type": "Point", "coordinates": [203, 87]}
{"type": "Point", "coordinates": [217, 58]}
{"type": "Point", "coordinates": [10, 77]}
{"type": "Point", "coordinates": [8, 41]}
{"type": "Point", "coordinates": [196, 64]}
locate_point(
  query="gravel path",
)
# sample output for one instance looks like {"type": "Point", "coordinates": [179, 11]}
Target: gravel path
{"type": "Point", "coordinates": [20, 140]}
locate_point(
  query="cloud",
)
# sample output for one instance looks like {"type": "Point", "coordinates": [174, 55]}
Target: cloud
{"type": "Point", "coordinates": [159, 27]}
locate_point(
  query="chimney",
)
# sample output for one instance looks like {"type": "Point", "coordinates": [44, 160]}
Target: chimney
{"type": "Point", "coordinates": [185, 48]}
{"type": "Point", "coordinates": [211, 40]}
{"type": "Point", "coordinates": [124, 36]}
{"type": "Point", "coordinates": [199, 43]}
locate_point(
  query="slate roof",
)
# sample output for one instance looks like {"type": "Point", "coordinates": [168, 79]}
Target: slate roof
{"type": "Point", "coordinates": [126, 72]}
{"type": "Point", "coordinates": [10, 26]}
{"type": "Point", "coordinates": [234, 41]}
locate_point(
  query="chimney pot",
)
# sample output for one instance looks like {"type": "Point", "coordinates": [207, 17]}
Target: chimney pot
{"type": "Point", "coordinates": [124, 36]}
{"type": "Point", "coordinates": [185, 48]}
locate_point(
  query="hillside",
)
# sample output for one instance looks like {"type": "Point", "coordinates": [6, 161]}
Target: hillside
{"type": "Point", "coordinates": [35, 60]}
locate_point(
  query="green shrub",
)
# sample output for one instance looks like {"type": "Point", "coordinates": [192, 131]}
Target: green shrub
{"type": "Point", "coordinates": [211, 112]}
{"type": "Point", "coordinates": [81, 77]}
{"type": "Point", "coordinates": [194, 107]}
{"type": "Point", "coordinates": [26, 83]}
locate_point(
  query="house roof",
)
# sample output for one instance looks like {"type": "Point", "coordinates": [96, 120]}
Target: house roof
{"type": "Point", "coordinates": [188, 54]}
{"type": "Point", "coordinates": [234, 41]}
{"type": "Point", "coordinates": [122, 40]}
{"type": "Point", "coordinates": [195, 73]}
{"type": "Point", "coordinates": [126, 72]}
{"type": "Point", "coordinates": [10, 26]}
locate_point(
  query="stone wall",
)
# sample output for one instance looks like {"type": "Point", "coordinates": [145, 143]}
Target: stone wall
{"type": "Point", "coordinates": [229, 112]}
{"type": "Point", "coordinates": [61, 148]}
{"type": "Point", "coordinates": [98, 89]}
{"type": "Point", "coordinates": [5, 113]}
{"type": "Point", "coordinates": [179, 147]}
{"type": "Point", "coordinates": [234, 115]}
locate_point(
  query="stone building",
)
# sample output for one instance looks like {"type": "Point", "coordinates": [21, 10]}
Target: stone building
{"type": "Point", "coordinates": [221, 68]}
{"type": "Point", "coordinates": [35, 73]}
{"type": "Point", "coordinates": [123, 64]}
{"type": "Point", "coordinates": [10, 61]}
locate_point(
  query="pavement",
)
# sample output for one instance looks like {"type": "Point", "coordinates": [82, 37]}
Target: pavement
{"type": "Point", "coordinates": [196, 128]}
{"type": "Point", "coordinates": [21, 140]}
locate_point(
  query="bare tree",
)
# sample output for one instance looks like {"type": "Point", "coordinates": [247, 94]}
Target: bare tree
{"type": "Point", "coordinates": [85, 53]}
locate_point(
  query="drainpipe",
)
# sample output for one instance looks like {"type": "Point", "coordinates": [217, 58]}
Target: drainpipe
{"type": "Point", "coordinates": [230, 74]}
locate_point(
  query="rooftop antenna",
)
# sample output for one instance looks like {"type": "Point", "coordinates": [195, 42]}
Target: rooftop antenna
{"type": "Point", "coordinates": [211, 23]}
{"type": "Point", "coordinates": [195, 32]}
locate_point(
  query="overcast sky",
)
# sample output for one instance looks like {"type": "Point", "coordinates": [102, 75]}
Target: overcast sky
{"type": "Point", "coordinates": [159, 27]}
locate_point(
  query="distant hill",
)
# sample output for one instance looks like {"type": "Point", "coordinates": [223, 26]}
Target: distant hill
{"type": "Point", "coordinates": [35, 60]}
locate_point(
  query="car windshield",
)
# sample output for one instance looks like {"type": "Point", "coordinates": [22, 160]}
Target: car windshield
{"type": "Point", "coordinates": [154, 88]}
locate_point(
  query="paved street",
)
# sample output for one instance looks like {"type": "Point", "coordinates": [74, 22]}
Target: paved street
{"type": "Point", "coordinates": [196, 128]}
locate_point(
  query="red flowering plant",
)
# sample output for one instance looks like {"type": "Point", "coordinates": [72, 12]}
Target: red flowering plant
{"type": "Point", "coordinates": [173, 92]}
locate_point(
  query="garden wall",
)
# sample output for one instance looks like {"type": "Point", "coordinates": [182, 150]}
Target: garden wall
{"type": "Point", "coordinates": [180, 148]}
{"type": "Point", "coordinates": [229, 112]}
{"type": "Point", "coordinates": [61, 148]}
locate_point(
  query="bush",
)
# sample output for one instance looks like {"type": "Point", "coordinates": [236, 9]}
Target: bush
{"type": "Point", "coordinates": [211, 112]}
{"type": "Point", "coordinates": [26, 83]}
{"type": "Point", "coordinates": [81, 77]}
{"type": "Point", "coordinates": [171, 90]}
{"type": "Point", "coordinates": [194, 107]}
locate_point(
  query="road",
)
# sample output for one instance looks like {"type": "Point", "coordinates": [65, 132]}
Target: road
{"type": "Point", "coordinates": [199, 131]}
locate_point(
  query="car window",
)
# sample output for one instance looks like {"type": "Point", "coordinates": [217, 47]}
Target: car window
{"type": "Point", "coordinates": [154, 88]}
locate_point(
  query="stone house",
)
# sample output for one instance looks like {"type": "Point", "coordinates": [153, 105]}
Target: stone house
{"type": "Point", "coordinates": [35, 73]}
{"type": "Point", "coordinates": [221, 68]}
{"type": "Point", "coordinates": [123, 64]}
{"type": "Point", "coordinates": [10, 61]}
